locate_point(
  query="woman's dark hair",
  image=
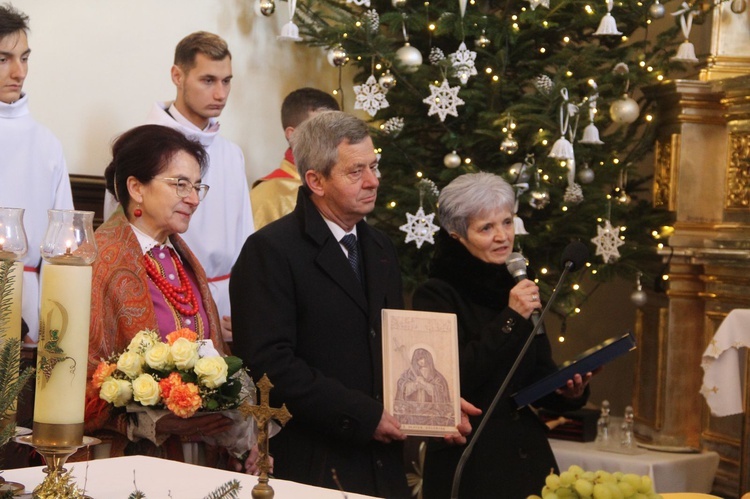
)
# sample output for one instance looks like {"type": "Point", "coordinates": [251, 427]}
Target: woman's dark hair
{"type": "Point", "coordinates": [144, 152]}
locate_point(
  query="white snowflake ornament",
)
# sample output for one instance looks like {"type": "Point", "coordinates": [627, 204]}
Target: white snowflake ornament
{"type": "Point", "coordinates": [607, 241]}
{"type": "Point", "coordinates": [443, 100]}
{"type": "Point", "coordinates": [419, 228]}
{"type": "Point", "coordinates": [463, 63]}
{"type": "Point", "coordinates": [370, 96]}
{"type": "Point", "coordinates": [536, 3]}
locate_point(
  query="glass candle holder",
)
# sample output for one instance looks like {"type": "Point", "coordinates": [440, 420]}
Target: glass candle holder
{"type": "Point", "coordinates": [69, 249]}
{"type": "Point", "coordinates": [13, 243]}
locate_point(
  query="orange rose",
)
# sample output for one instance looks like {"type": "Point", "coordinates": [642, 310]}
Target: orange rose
{"type": "Point", "coordinates": [181, 333]}
{"type": "Point", "coordinates": [184, 400]}
{"type": "Point", "coordinates": [103, 370]}
{"type": "Point", "coordinates": [168, 383]}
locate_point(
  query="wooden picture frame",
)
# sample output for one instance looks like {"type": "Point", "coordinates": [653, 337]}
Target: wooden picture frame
{"type": "Point", "coordinates": [421, 382]}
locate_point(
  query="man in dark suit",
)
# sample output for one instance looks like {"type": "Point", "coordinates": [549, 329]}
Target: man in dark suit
{"type": "Point", "coordinates": [306, 311]}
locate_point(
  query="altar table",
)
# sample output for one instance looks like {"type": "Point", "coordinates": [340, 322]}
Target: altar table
{"type": "Point", "coordinates": [114, 478]}
{"type": "Point", "coordinates": [670, 471]}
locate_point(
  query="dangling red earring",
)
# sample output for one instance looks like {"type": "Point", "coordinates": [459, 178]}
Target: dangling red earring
{"type": "Point", "coordinates": [137, 212]}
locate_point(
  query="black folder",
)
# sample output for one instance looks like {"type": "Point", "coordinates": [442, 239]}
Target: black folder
{"type": "Point", "coordinates": [586, 362]}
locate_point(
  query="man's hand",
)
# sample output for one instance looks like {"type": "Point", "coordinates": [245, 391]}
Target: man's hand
{"type": "Point", "coordinates": [464, 427]}
{"type": "Point", "coordinates": [388, 430]}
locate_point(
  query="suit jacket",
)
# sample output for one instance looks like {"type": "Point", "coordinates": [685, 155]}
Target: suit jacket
{"type": "Point", "coordinates": [300, 315]}
{"type": "Point", "coordinates": [121, 306]}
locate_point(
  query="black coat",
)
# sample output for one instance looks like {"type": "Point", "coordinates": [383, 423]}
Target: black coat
{"type": "Point", "coordinates": [300, 315]}
{"type": "Point", "coordinates": [512, 456]}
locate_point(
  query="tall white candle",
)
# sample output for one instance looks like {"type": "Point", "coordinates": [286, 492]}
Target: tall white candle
{"type": "Point", "coordinates": [62, 354]}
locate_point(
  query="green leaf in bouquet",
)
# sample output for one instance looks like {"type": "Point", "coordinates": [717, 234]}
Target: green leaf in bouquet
{"type": "Point", "coordinates": [234, 364]}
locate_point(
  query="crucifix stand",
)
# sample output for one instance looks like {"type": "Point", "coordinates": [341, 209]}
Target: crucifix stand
{"type": "Point", "coordinates": [263, 413]}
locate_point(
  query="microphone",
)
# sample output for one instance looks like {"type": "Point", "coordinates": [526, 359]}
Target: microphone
{"type": "Point", "coordinates": [516, 264]}
{"type": "Point", "coordinates": [573, 257]}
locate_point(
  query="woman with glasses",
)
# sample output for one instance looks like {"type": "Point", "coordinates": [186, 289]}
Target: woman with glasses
{"type": "Point", "coordinates": [145, 277]}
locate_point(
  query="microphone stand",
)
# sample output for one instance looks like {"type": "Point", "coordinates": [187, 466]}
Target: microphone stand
{"type": "Point", "coordinates": [467, 451]}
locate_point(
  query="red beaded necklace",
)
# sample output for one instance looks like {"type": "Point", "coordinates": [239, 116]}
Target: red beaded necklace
{"type": "Point", "coordinates": [175, 295]}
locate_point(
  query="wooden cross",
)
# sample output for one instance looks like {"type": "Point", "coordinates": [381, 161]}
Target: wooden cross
{"type": "Point", "coordinates": [263, 414]}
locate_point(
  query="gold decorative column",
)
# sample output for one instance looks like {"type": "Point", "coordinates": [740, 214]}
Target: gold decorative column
{"type": "Point", "coordinates": [702, 174]}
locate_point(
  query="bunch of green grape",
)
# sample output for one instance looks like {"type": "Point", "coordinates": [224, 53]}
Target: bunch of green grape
{"type": "Point", "coordinates": [578, 484]}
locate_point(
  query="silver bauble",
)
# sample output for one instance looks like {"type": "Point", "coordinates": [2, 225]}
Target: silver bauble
{"type": "Point", "coordinates": [520, 173]}
{"type": "Point", "coordinates": [656, 10]}
{"type": "Point", "coordinates": [586, 175]}
{"type": "Point", "coordinates": [399, 4]}
{"type": "Point", "coordinates": [409, 58]}
{"type": "Point", "coordinates": [639, 298]}
{"type": "Point", "coordinates": [452, 160]}
{"type": "Point", "coordinates": [266, 7]}
{"type": "Point", "coordinates": [387, 81]}
{"type": "Point", "coordinates": [539, 198]}
{"type": "Point", "coordinates": [337, 56]}
{"type": "Point", "coordinates": [509, 145]}
{"type": "Point", "coordinates": [482, 41]}
{"type": "Point", "coordinates": [624, 110]}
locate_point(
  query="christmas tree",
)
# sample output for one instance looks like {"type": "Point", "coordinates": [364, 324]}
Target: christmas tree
{"type": "Point", "coordinates": [544, 93]}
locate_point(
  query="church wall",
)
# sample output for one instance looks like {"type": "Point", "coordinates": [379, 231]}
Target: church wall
{"type": "Point", "coordinates": [97, 67]}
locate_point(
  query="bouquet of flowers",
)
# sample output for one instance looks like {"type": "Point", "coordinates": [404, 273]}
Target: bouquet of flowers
{"type": "Point", "coordinates": [183, 376]}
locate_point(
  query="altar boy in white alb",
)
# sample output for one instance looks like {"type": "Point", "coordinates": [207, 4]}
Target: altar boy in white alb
{"type": "Point", "coordinates": [202, 73]}
{"type": "Point", "coordinates": [33, 174]}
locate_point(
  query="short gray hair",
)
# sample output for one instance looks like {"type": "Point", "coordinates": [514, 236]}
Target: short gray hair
{"type": "Point", "coordinates": [315, 142]}
{"type": "Point", "coordinates": [471, 195]}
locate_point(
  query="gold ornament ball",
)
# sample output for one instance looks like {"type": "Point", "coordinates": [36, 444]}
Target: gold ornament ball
{"type": "Point", "coordinates": [267, 7]}
{"type": "Point", "coordinates": [482, 41]}
{"type": "Point", "coordinates": [337, 56]}
{"type": "Point", "coordinates": [452, 160]}
{"type": "Point", "coordinates": [624, 110]}
{"type": "Point", "coordinates": [509, 145]}
{"type": "Point", "coordinates": [539, 199]}
{"type": "Point", "coordinates": [409, 58]}
{"type": "Point", "coordinates": [387, 80]}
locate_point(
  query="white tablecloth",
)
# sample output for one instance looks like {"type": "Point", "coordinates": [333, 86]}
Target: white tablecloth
{"type": "Point", "coordinates": [162, 479]}
{"type": "Point", "coordinates": [670, 471]}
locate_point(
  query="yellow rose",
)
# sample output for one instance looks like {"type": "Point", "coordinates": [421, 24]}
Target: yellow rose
{"type": "Point", "coordinates": [142, 341]}
{"type": "Point", "coordinates": [146, 390]}
{"type": "Point", "coordinates": [211, 371]}
{"type": "Point", "coordinates": [116, 391]}
{"type": "Point", "coordinates": [184, 353]}
{"type": "Point", "coordinates": [159, 357]}
{"type": "Point", "coordinates": [130, 364]}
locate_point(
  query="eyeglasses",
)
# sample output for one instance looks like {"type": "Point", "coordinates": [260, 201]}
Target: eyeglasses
{"type": "Point", "coordinates": [185, 187]}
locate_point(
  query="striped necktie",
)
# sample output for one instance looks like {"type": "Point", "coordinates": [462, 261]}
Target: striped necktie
{"type": "Point", "coordinates": [350, 243]}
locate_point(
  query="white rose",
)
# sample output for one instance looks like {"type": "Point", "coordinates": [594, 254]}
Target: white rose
{"type": "Point", "coordinates": [211, 371]}
{"type": "Point", "coordinates": [116, 391]}
{"type": "Point", "coordinates": [130, 364]}
{"type": "Point", "coordinates": [159, 357]}
{"type": "Point", "coordinates": [184, 353]}
{"type": "Point", "coordinates": [142, 341]}
{"type": "Point", "coordinates": [146, 390]}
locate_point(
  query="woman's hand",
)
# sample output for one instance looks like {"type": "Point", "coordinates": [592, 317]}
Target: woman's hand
{"type": "Point", "coordinates": [204, 425]}
{"type": "Point", "coordinates": [575, 387]}
{"type": "Point", "coordinates": [524, 298]}
{"type": "Point", "coordinates": [251, 463]}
